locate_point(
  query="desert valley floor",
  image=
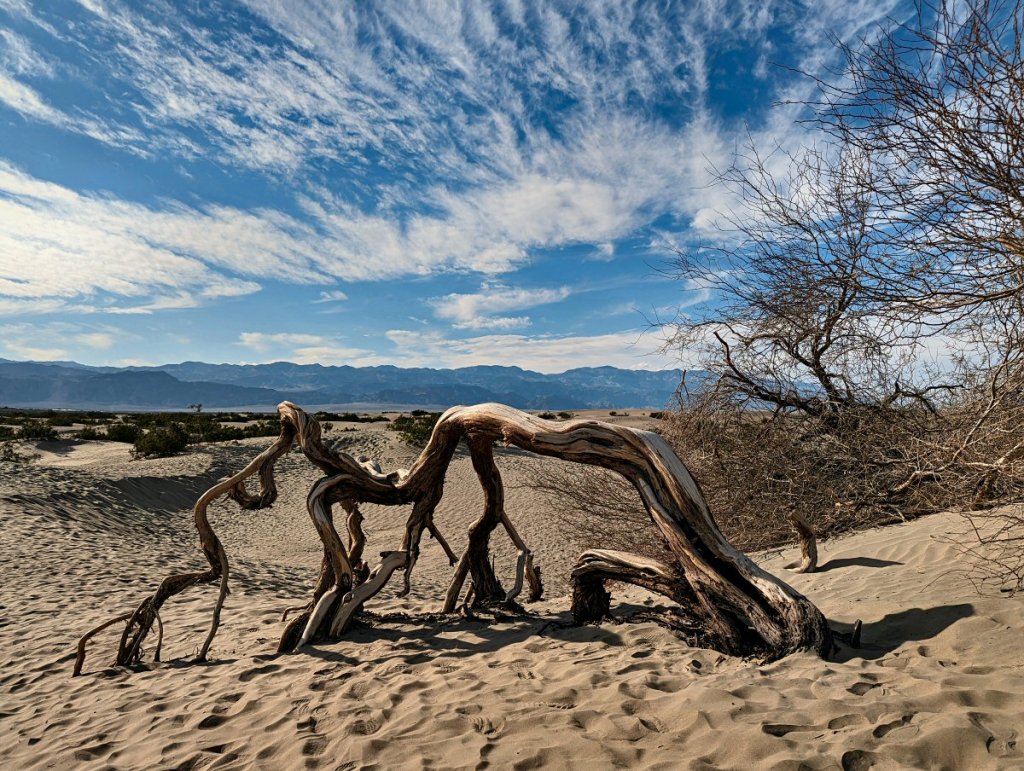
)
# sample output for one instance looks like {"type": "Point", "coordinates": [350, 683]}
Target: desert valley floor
{"type": "Point", "coordinates": [87, 532]}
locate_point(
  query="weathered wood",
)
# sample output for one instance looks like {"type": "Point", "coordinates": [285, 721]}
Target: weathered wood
{"type": "Point", "coordinates": [743, 608]}
{"type": "Point", "coordinates": [740, 608]}
{"type": "Point", "coordinates": [808, 545]}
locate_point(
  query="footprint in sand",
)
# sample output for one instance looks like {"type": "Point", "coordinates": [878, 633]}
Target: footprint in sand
{"type": "Point", "coordinates": [781, 729]}
{"type": "Point", "coordinates": [859, 689]}
{"type": "Point", "coordinates": [652, 723]}
{"type": "Point", "coordinates": [857, 760]}
{"type": "Point", "coordinates": [360, 689]}
{"type": "Point", "coordinates": [633, 706]}
{"type": "Point", "coordinates": [364, 726]}
{"type": "Point", "coordinates": [313, 746]}
{"type": "Point", "coordinates": [266, 669]}
{"type": "Point", "coordinates": [845, 721]}
{"type": "Point", "coordinates": [94, 752]}
{"type": "Point", "coordinates": [211, 721]}
{"type": "Point", "coordinates": [887, 728]}
{"type": "Point", "coordinates": [563, 700]}
{"type": "Point", "coordinates": [492, 729]}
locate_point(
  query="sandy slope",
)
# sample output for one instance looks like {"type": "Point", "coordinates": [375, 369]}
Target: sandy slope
{"type": "Point", "coordinates": [86, 533]}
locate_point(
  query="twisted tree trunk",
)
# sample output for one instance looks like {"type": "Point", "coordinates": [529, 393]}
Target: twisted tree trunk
{"type": "Point", "coordinates": [739, 608]}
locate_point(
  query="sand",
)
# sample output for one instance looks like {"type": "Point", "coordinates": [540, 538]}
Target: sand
{"type": "Point", "coordinates": [86, 532]}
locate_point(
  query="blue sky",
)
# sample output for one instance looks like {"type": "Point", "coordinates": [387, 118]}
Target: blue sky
{"type": "Point", "coordinates": [421, 184]}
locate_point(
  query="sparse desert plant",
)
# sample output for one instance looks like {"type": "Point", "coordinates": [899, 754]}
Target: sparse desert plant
{"type": "Point", "coordinates": [122, 432]}
{"type": "Point", "coordinates": [9, 453]}
{"type": "Point", "coordinates": [415, 429]}
{"type": "Point", "coordinates": [36, 428]}
{"type": "Point", "coordinates": [160, 442]}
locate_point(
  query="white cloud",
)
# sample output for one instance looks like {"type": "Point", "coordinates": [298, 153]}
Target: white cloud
{"type": "Point", "coordinates": [18, 56]}
{"type": "Point", "coordinates": [54, 340]}
{"type": "Point", "coordinates": [262, 342]}
{"type": "Point", "coordinates": [333, 296]}
{"type": "Point", "coordinates": [303, 348]}
{"type": "Point", "coordinates": [475, 311]}
{"type": "Point", "coordinates": [541, 353]}
{"type": "Point", "coordinates": [100, 340]}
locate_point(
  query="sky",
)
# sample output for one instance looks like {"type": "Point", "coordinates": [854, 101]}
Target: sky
{"type": "Point", "coordinates": [436, 184]}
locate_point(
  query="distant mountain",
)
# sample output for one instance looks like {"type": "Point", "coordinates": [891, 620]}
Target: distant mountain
{"type": "Point", "coordinates": [262, 386]}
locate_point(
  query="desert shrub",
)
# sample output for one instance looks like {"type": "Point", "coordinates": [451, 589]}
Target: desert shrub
{"type": "Point", "coordinates": [415, 430]}
{"type": "Point", "coordinates": [262, 428]}
{"type": "Point", "coordinates": [122, 432]}
{"type": "Point", "coordinates": [596, 507]}
{"type": "Point", "coordinates": [547, 415]}
{"type": "Point", "coordinates": [35, 428]}
{"type": "Point", "coordinates": [161, 441]}
{"type": "Point", "coordinates": [352, 417]}
{"type": "Point", "coordinates": [89, 433]}
{"type": "Point", "coordinates": [9, 453]}
{"type": "Point", "coordinates": [565, 415]}
{"type": "Point", "coordinates": [7, 432]}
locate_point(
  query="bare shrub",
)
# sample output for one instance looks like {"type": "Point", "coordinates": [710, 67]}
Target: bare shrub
{"type": "Point", "coordinates": [596, 507]}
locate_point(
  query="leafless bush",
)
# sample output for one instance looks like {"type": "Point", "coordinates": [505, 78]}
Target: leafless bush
{"type": "Point", "coordinates": [863, 350]}
{"type": "Point", "coordinates": [596, 506]}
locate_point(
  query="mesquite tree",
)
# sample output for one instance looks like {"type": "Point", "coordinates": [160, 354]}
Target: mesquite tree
{"type": "Point", "coordinates": [864, 342]}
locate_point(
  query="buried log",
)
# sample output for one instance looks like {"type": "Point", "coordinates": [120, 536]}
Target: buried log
{"type": "Point", "coordinates": [739, 608]}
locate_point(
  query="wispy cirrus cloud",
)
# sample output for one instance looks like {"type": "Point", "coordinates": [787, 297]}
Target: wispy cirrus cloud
{"type": "Point", "coordinates": [395, 140]}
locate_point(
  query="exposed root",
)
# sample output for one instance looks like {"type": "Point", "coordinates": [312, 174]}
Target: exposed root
{"type": "Point", "coordinates": [80, 655]}
{"type": "Point", "coordinates": [745, 610]}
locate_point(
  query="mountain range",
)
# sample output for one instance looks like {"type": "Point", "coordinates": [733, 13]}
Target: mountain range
{"type": "Point", "coordinates": [262, 386]}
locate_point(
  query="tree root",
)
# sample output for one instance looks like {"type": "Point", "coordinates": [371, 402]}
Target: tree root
{"type": "Point", "coordinates": [743, 609]}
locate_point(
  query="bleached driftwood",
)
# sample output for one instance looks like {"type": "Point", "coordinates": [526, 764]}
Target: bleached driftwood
{"type": "Point", "coordinates": [740, 608]}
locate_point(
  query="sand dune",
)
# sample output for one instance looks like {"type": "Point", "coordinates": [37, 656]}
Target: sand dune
{"type": "Point", "coordinates": [939, 683]}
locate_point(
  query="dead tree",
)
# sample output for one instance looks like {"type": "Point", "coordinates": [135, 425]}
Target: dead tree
{"type": "Point", "coordinates": [739, 608]}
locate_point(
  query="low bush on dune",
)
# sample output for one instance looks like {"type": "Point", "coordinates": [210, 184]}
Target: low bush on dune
{"type": "Point", "coordinates": [128, 433]}
{"type": "Point", "coordinates": [415, 429]}
{"type": "Point", "coordinates": [37, 429]}
{"type": "Point", "coordinates": [352, 417]}
{"type": "Point", "coordinates": [160, 442]}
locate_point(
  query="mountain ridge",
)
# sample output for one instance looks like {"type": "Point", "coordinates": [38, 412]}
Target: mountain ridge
{"type": "Point", "coordinates": [65, 384]}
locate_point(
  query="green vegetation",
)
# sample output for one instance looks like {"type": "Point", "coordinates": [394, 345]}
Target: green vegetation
{"type": "Point", "coordinates": [351, 417]}
{"type": "Point", "coordinates": [161, 441]}
{"type": "Point", "coordinates": [415, 429]}
{"type": "Point", "coordinates": [122, 432]}
{"type": "Point", "coordinates": [37, 429]}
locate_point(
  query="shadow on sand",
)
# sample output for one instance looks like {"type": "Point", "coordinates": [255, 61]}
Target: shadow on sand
{"type": "Point", "coordinates": [849, 562]}
{"type": "Point", "coordinates": [895, 629]}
